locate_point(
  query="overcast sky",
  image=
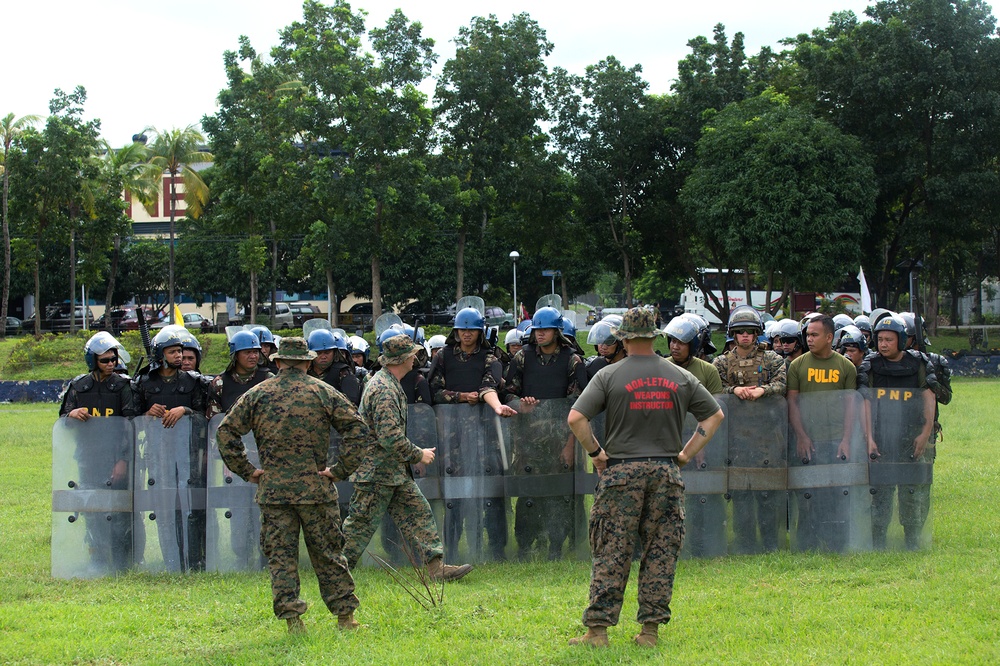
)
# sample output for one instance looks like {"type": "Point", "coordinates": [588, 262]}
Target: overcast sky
{"type": "Point", "coordinates": [160, 64]}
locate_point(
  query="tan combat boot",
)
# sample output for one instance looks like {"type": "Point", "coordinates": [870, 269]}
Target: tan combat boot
{"type": "Point", "coordinates": [347, 622]}
{"type": "Point", "coordinates": [295, 625]}
{"type": "Point", "coordinates": [595, 637]}
{"type": "Point", "coordinates": [439, 571]}
{"type": "Point", "coordinates": [648, 636]}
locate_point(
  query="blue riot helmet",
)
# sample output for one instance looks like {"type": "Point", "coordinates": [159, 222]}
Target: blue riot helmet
{"type": "Point", "coordinates": [168, 337]}
{"type": "Point", "coordinates": [863, 323]}
{"type": "Point", "coordinates": [416, 334]}
{"type": "Point", "coordinates": [321, 339]}
{"type": "Point", "coordinates": [101, 343]}
{"type": "Point", "coordinates": [547, 317]}
{"type": "Point", "coordinates": [241, 341]}
{"type": "Point", "coordinates": [264, 334]}
{"type": "Point", "coordinates": [568, 328]}
{"type": "Point", "coordinates": [470, 319]}
{"type": "Point", "coordinates": [684, 330]}
{"type": "Point", "coordinates": [852, 335]}
{"type": "Point", "coordinates": [891, 322]}
{"type": "Point", "coordinates": [840, 321]}
{"type": "Point", "coordinates": [390, 332]}
{"type": "Point", "coordinates": [526, 334]}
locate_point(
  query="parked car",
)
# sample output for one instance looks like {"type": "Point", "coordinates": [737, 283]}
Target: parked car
{"type": "Point", "coordinates": [13, 326]}
{"type": "Point", "coordinates": [429, 316]}
{"type": "Point", "coordinates": [282, 318]}
{"type": "Point", "coordinates": [57, 317]}
{"type": "Point", "coordinates": [303, 312]}
{"type": "Point", "coordinates": [130, 322]}
{"type": "Point", "coordinates": [359, 315]}
{"type": "Point", "coordinates": [497, 316]}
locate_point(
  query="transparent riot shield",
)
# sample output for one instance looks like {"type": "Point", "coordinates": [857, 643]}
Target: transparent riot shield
{"type": "Point", "coordinates": [472, 458]}
{"type": "Point", "coordinates": [549, 517]}
{"type": "Point", "coordinates": [705, 487]}
{"type": "Point", "coordinates": [900, 481]}
{"type": "Point", "coordinates": [91, 497]}
{"type": "Point", "coordinates": [757, 472]}
{"type": "Point", "coordinates": [169, 497]}
{"type": "Point", "coordinates": [830, 506]}
{"type": "Point", "coordinates": [390, 544]}
{"type": "Point", "coordinates": [233, 530]}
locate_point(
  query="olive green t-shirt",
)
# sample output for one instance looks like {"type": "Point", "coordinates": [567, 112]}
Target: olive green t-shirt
{"type": "Point", "coordinates": [823, 416]}
{"type": "Point", "coordinates": [706, 373]}
{"type": "Point", "coordinates": [645, 399]}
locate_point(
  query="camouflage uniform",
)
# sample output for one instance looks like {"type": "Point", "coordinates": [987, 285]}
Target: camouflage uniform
{"type": "Point", "coordinates": [754, 509]}
{"type": "Point", "coordinates": [383, 481]}
{"type": "Point", "coordinates": [291, 416]}
{"type": "Point", "coordinates": [540, 449]}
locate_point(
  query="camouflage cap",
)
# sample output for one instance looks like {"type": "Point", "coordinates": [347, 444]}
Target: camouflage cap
{"type": "Point", "coordinates": [398, 349]}
{"type": "Point", "coordinates": [294, 349]}
{"type": "Point", "coordinates": [637, 323]}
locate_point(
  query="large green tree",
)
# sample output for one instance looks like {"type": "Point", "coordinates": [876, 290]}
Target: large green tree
{"type": "Point", "coordinates": [786, 196]}
{"type": "Point", "coordinates": [10, 128]}
{"type": "Point", "coordinates": [919, 83]}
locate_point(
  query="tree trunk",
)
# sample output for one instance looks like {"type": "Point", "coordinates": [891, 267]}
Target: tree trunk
{"type": "Point", "coordinates": [112, 276]}
{"type": "Point", "coordinates": [274, 270]}
{"type": "Point", "coordinates": [460, 266]}
{"type": "Point", "coordinates": [376, 289]}
{"type": "Point", "coordinates": [38, 286]}
{"type": "Point", "coordinates": [747, 282]}
{"type": "Point", "coordinates": [331, 298]}
{"type": "Point", "coordinates": [253, 297]}
{"type": "Point", "coordinates": [930, 309]}
{"type": "Point", "coordinates": [6, 259]}
{"type": "Point", "coordinates": [72, 281]}
{"type": "Point", "coordinates": [565, 296]}
{"type": "Point", "coordinates": [173, 204]}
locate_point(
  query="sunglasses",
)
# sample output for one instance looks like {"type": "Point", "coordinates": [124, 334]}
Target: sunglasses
{"type": "Point", "coordinates": [109, 359]}
{"type": "Point", "coordinates": [788, 341]}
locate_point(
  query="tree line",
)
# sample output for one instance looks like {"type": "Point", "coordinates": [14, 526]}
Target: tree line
{"type": "Point", "coordinates": [871, 141]}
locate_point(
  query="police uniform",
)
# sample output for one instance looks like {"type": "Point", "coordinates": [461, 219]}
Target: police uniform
{"type": "Point", "coordinates": [111, 397]}
{"type": "Point", "coordinates": [291, 416]}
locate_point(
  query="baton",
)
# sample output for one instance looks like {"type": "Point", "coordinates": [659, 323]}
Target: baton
{"type": "Point", "coordinates": [500, 443]}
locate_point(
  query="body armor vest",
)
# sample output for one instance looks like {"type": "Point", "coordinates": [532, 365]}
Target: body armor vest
{"type": "Point", "coordinates": [232, 389]}
{"type": "Point", "coordinates": [178, 393]}
{"type": "Point", "coordinates": [546, 381]}
{"type": "Point", "coordinates": [463, 376]}
{"type": "Point", "coordinates": [749, 371]}
{"type": "Point", "coordinates": [100, 398]}
{"type": "Point", "coordinates": [342, 378]}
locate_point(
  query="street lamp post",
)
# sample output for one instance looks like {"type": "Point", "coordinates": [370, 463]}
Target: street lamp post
{"type": "Point", "coordinates": [514, 256]}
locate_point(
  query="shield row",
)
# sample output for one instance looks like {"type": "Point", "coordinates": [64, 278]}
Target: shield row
{"type": "Point", "coordinates": [133, 494]}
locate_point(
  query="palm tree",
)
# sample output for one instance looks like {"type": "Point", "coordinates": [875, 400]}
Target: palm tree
{"type": "Point", "coordinates": [129, 167]}
{"type": "Point", "coordinates": [173, 153]}
{"type": "Point", "coordinates": [9, 129]}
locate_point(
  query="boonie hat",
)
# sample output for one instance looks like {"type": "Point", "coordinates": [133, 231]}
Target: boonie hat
{"type": "Point", "coordinates": [397, 349]}
{"type": "Point", "coordinates": [637, 323]}
{"type": "Point", "coordinates": [294, 349]}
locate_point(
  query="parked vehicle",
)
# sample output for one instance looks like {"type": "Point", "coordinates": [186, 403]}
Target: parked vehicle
{"type": "Point", "coordinates": [428, 316]}
{"type": "Point", "coordinates": [13, 326]}
{"type": "Point", "coordinates": [497, 316]}
{"type": "Point", "coordinates": [57, 317]}
{"type": "Point", "coordinates": [359, 315]}
{"type": "Point", "coordinates": [130, 322]}
{"type": "Point", "coordinates": [303, 312]}
{"type": "Point", "coordinates": [281, 319]}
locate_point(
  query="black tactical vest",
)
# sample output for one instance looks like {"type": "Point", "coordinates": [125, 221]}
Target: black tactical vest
{"type": "Point", "coordinates": [342, 378]}
{"type": "Point", "coordinates": [904, 373]}
{"type": "Point", "coordinates": [232, 389]}
{"type": "Point", "coordinates": [178, 393]}
{"type": "Point", "coordinates": [100, 398]}
{"type": "Point", "coordinates": [463, 376]}
{"type": "Point", "coordinates": [545, 381]}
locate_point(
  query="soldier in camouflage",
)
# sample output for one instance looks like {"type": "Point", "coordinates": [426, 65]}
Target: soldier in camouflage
{"type": "Point", "coordinates": [645, 399]}
{"type": "Point", "coordinates": [291, 416]}
{"type": "Point", "coordinates": [751, 372]}
{"type": "Point", "coordinates": [384, 481]}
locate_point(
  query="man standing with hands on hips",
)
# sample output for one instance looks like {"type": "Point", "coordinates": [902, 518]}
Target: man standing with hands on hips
{"type": "Point", "coordinates": [645, 399]}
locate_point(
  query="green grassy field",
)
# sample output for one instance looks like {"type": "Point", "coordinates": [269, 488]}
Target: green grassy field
{"type": "Point", "coordinates": [935, 607]}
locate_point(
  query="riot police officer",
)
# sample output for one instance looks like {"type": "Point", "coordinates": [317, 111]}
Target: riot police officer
{"type": "Point", "coordinates": [168, 393]}
{"type": "Point", "coordinates": [609, 348]}
{"type": "Point", "coordinates": [545, 368]}
{"type": "Point", "coordinates": [242, 373]}
{"type": "Point", "coordinates": [333, 363]}
{"type": "Point", "coordinates": [467, 371]}
{"type": "Point", "coordinates": [103, 393]}
{"type": "Point", "coordinates": [268, 346]}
